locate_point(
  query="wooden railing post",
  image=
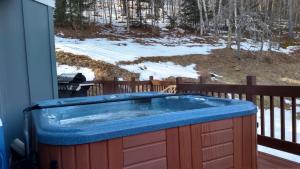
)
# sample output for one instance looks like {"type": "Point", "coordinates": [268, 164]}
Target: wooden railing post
{"type": "Point", "coordinates": [115, 85]}
{"type": "Point", "coordinates": [202, 80]}
{"type": "Point", "coordinates": [133, 86]}
{"type": "Point", "coordinates": [251, 81]}
{"type": "Point", "coordinates": [110, 87]}
{"type": "Point", "coordinates": [178, 81]}
{"type": "Point", "coordinates": [151, 83]}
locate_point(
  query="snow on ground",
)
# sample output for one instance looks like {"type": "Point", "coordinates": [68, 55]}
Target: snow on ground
{"type": "Point", "coordinates": [161, 70]}
{"type": "Point", "coordinates": [128, 50]}
{"type": "Point", "coordinates": [88, 73]}
{"type": "Point", "coordinates": [290, 102]}
{"type": "Point", "coordinates": [250, 45]}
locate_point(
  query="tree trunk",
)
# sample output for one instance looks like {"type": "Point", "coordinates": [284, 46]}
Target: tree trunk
{"type": "Point", "coordinates": [270, 16]}
{"type": "Point", "coordinates": [229, 38]}
{"type": "Point", "coordinates": [201, 17]}
{"type": "Point", "coordinates": [110, 6]}
{"type": "Point", "coordinates": [128, 16]}
{"type": "Point", "coordinates": [153, 12]}
{"type": "Point", "coordinates": [115, 10]}
{"type": "Point", "coordinates": [205, 13]}
{"type": "Point", "coordinates": [215, 17]}
{"type": "Point", "coordinates": [291, 24]}
{"type": "Point", "coordinates": [219, 16]}
{"type": "Point", "coordinates": [237, 29]}
{"type": "Point", "coordinates": [235, 16]}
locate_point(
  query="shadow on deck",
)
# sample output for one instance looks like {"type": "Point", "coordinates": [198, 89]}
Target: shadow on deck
{"type": "Point", "coordinates": [266, 161]}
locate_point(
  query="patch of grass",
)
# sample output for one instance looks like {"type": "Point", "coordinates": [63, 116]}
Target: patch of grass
{"type": "Point", "coordinates": [101, 69]}
{"type": "Point", "coordinates": [286, 42]}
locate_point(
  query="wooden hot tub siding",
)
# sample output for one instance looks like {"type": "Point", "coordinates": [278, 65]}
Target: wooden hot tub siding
{"type": "Point", "coordinates": [221, 144]}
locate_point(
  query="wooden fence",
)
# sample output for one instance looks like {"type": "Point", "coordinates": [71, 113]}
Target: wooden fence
{"type": "Point", "coordinates": [265, 97]}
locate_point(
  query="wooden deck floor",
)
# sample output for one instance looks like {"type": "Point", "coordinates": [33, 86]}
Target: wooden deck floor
{"type": "Point", "coordinates": [266, 161]}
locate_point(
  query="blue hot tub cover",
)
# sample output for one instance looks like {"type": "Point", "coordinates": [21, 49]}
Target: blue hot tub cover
{"type": "Point", "coordinates": [120, 115]}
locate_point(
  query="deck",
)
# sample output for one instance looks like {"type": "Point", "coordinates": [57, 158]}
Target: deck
{"type": "Point", "coordinates": [266, 161]}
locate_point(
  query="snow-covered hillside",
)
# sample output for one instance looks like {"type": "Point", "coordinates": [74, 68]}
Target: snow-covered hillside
{"type": "Point", "coordinates": [115, 51]}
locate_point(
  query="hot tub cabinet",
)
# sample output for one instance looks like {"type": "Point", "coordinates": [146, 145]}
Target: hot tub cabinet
{"type": "Point", "coordinates": [219, 137]}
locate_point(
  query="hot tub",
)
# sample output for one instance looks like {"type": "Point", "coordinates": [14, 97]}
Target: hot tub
{"type": "Point", "coordinates": [146, 131]}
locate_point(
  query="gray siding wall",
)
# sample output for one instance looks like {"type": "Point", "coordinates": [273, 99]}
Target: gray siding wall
{"type": "Point", "coordinates": [27, 62]}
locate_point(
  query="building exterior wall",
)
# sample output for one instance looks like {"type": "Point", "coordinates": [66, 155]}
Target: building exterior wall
{"type": "Point", "coordinates": [27, 62]}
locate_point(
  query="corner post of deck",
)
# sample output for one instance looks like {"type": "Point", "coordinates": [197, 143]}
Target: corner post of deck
{"type": "Point", "coordinates": [251, 81]}
{"type": "Point", "coordinates": [151, 78]}
{"type": "Point", "coordinates": [133, 86]}
{"type": "Point", "coordinates": [250, 96]}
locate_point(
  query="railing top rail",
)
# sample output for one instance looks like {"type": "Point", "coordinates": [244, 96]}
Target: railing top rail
{"type": "Point", "coordinates": [282, 91]}
{"type": "Point", "coordinates": [157, 82]}
{"type": "Point", "coordinates": [212, 88]}
{"type": "Point", "coordinates": [267, 90]}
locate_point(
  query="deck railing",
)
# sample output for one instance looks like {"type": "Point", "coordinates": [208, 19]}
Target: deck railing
{"type": "Point", "coordinates": [277, 105]}
{"type": "Point", "coordinates": [115, 86]}
{"type": "Point", "coordinates": [281, 135]}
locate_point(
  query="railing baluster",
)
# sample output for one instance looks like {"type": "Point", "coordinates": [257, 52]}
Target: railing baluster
{"type": "Point", "coordinates": [240, 96]}
{"type": "Point", "coordinates": [96, 86]}
{"type": "Point", "coordinates": [272, 116]}
{"type": "Point", "coordinates": [100, 87]}
{"type": "Point", "coordinates": [96, 89]}
{"type": "Point", "coordinates": [294, 120]}
{"type": "Point", "coordinates": [282, 118]}
{"type": "Point", "coordinates": [262, 115]}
